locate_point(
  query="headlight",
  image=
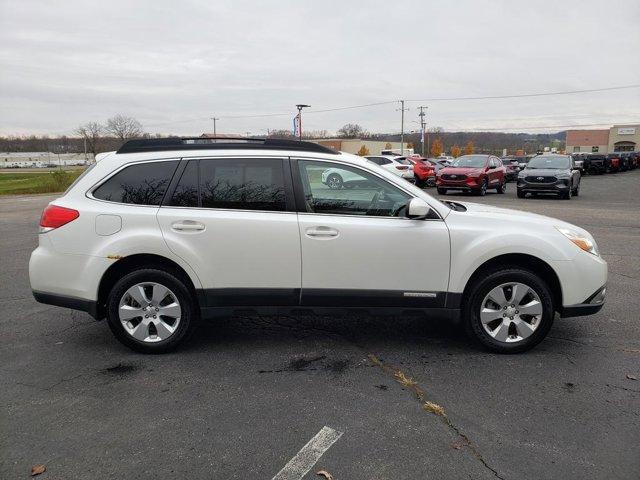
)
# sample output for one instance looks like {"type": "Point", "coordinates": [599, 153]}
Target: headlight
{"type": "Point", "coordinates": [580, 240]}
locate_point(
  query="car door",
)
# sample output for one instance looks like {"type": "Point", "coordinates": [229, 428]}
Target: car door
{"type": "Point", "coordinates": [233, 221]}
{"type": "Point", "coordinates": [492, 172]}
{"type": "Point", "coordinates": [359, 249]}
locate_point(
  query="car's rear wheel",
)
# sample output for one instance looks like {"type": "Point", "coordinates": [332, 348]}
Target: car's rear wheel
{"type": "Point", "coordinates": [151, 311]}
{"type": "Point", "coordinates": [442, 191]}
{"type": "Point", "coordinates": [335, 181]}
{"type": "Point", "coordinates": [510, 310]}
{"type": "Point", "coordinates": [503, 187]}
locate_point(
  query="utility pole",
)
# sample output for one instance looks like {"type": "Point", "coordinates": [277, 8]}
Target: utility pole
{"type": "Point", "coordinates": [402, 110]}
{"type": "Point", "coordinates": [300, 106]}
{"type": "Point", "coordinates": [423, 124]}
{"type": "Point", "coordinates": [215, 133]}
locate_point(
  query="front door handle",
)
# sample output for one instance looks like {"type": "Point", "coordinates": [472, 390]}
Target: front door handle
{"type": "Point", "coordinates": [323, 232]}
{"type": "Point", "coordinates": [188, 226]}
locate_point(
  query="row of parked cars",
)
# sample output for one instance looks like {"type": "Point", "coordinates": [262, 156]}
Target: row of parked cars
{"type": "Point", "coordinates": [547, 173]}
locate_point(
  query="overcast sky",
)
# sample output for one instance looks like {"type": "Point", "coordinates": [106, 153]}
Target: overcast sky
{"type": "Point", "coordinates": [174, 64]}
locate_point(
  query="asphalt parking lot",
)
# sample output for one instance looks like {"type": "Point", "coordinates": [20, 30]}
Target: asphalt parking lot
{"type": "Point", "coordinates": [247, 393]}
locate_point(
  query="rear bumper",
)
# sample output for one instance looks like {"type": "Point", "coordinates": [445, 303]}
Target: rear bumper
{"type": "Point", "coordinates": [89, 306]}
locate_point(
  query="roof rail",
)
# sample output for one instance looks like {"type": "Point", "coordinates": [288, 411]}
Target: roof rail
{"type": "Point", "coordinates": [203, 143]}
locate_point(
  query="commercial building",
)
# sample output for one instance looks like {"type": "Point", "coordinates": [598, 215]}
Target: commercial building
{"type": "Point", "coordinates": [587, 141]}
{"type": "Point", "coordinates": [624, 138]}
{"type": "Point", "coordinates": [359, 146]}
{"type": "Point", "coordinates": [619, 138]}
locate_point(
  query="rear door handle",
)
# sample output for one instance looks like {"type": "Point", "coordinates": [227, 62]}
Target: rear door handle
{"type": "Point", "coordinates": [325, 232]}
{"type": "Point", "coordinates": [188, 226]}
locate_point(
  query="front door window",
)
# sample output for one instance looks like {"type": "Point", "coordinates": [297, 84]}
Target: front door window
{"type": "Point", "coordinates": [343, 190]}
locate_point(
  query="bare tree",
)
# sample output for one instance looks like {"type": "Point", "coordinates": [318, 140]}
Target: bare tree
{"type": "Point", "coordinates": [351, 130]}
{"type": "Point", "coordinates": [124, 127]}
{"type": "Point", "coordinates": [90, 133]}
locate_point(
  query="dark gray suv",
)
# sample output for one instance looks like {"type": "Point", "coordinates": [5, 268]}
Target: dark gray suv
{"type": "Point", "coordinates": [550, 174]}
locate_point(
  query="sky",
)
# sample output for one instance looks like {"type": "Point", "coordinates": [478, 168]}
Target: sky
{"type": "Point", "coordinates": [175, 64]}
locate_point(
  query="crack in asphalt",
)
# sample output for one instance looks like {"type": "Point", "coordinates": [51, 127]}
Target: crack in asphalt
{"type": "Point", "coordinates": [429, 406]}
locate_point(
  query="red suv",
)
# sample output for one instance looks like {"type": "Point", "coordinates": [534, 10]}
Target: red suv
{"type": "Point", "coordinates": [423, 170]}
{"type": "Point", "coordinates": [473, 173]}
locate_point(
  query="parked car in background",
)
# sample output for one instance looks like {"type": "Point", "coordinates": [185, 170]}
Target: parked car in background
{"type": "Point", "coordinates": [578, 161]}
{"type": "Point", "coordinates": [395, 164]}
{"type": "Point", "coordinates": [512, 166]}
{"type": "Point", "coordinates": [423, 170]}
{"type": "Point", "coordinates": [634, 160]}
{"type": "Point", "coordinates": [625, 160]}
{"type": "Point", "coordinates": [473, 173]}
{"type": "Point", "coordinates": [550, 174]}
{"type": "Point", "coordinates": [596, 163]}
{"type": "Point", "coordinates": [613, 164]}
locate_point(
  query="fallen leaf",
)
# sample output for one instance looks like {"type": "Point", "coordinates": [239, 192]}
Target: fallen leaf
{"type": "Point", "coordinates": [434, 408]}
{"type": "Point", "coordinates": [458, 445]}
{"type": "Point", "coordinates": [37, 470]}
{"type": "Point", "coordinates": [325, 474]}
{"type": "Point", "coordinates": [631, 377]}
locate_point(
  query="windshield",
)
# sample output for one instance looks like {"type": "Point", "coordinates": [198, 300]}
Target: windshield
{"type": "Point", "coordinates": [558, 163]}
{"type": "Point", "coordinates": [474, 161]}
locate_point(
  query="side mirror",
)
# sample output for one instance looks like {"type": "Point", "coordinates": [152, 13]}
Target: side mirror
{"type": "Point", "coordinates": [418, 209]}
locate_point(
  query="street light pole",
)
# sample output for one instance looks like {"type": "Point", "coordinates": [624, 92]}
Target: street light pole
{"type": "Point", "coordinates": [422, 125]}
{"type": "Point", "coordinates": [300, 106]}
{"type": "Point", "coordinates": [402, 109]}
{"type": "Point", "coordinates": [215, 133]}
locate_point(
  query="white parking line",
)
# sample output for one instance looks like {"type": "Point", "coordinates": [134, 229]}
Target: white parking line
{"type": "Point", "coordinates": [308, 455]}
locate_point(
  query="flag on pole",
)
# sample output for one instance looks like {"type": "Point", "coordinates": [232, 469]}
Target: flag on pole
{"type": "Point", "coordinates": [296, 125]}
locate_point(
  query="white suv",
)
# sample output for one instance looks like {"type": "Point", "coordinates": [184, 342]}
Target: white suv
{"type": "Point", "coordinates": [166, 231]}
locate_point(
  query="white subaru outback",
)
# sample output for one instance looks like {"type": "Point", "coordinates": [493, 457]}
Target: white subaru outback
{"type": "Point", "coordinates": [166, 231]}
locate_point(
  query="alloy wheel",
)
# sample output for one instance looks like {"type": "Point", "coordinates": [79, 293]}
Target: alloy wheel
{"type": "Point", "coordinates": [149, 312]}
{"type": "Point", "coordinates": [511, 312]}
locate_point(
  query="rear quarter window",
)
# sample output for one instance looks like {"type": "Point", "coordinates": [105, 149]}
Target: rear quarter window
{"type": "Point", "coordinates": [141, 184]}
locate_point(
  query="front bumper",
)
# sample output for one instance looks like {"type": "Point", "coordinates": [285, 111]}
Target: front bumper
{"type": "Point", "coordinates": [558, 187]}
{"type": "Point", "coordinates": [590, 306]}
{"type": "Point", "coordinates": [470, 183]}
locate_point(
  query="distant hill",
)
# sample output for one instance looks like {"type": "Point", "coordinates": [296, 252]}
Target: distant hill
{"type": "Point", "coordinates": [487, 142]}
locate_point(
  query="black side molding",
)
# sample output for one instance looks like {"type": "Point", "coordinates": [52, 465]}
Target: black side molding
{"type": "Point", "coordinates": [89, 306]}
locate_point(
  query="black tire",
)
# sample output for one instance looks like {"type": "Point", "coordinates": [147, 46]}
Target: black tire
{"type": "Point", "coordinates": [503, 187]}
{"type": "Point", "coordinates": [482, 191]}
{"type": "Point", "coordinates": [482, 285]}
{"type": "Point", "coordinates": [576, 191]}
{"type": "Point", "coordinates": [442, 191]}
{"type": "Point", "coordinates": [188, 317]}
{"type": "Point", "coordinates": [334, 181]}
{"type": "Point", "coordinates": [521, 194]}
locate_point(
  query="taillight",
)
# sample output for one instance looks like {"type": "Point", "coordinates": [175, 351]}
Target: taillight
{"type": "Point", "coordinates": [402, 167]}
{"type": "Point", "coordinates": [54, 216]}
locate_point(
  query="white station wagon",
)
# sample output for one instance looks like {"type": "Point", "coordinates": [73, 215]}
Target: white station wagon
{"type": "Point", "coordinates": [166, 231]}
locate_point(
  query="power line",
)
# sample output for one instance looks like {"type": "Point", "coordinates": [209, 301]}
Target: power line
{"type": "Point", "coordinates": [480, 129]}
{"type": "Point", "coordinates": [389, 102]}
{"type": "Point", "coordinates": [524, 95]}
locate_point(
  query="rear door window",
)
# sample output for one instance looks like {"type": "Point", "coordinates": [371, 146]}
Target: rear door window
{"type": "Point", "coordinates": [239, 184]}
{"type": "Point", "coordinates": [141, 184]}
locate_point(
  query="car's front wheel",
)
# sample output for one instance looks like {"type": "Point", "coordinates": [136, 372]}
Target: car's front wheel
{"type": "Point", "coordinates": [151, 311]}
{"type": "Point", "coordinates": [509, 310]}
{"type": "Point", "coordinates": [482, 191]}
